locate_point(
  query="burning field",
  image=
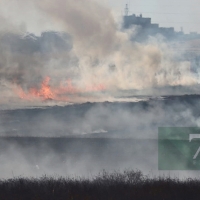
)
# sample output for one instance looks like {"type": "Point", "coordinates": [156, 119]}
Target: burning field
{"type": "Point", "coordinates": [80, 94]}
{"type": "Point", "coordinates": [46, 92]}
{"type": "Point", "coordinates": [85, 58]}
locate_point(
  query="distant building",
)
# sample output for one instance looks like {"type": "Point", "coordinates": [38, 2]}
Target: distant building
{"type": "Point", "coordinates": [130, 20]}
{"type": "Point", "coordinates": [188, 45]}
{"type": "Point", "coordinates": [146, 28]}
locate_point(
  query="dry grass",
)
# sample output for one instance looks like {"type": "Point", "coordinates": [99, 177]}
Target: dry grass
{"type": "Point", "coordinates": [112, 186]}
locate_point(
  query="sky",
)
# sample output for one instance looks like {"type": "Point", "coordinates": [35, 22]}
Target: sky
{"type": "Point", "coordinates": [168, 13]}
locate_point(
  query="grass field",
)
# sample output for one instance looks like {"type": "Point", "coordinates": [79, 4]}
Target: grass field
{"type": "Point", "coordinates": [112, 186]}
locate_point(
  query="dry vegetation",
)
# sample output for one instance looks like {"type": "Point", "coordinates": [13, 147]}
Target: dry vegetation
{"type": "Point", "coordinates": [112, 186]}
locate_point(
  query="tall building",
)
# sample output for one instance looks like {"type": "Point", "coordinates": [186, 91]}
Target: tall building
{"type": "Point", "coordinates": [146, 28]}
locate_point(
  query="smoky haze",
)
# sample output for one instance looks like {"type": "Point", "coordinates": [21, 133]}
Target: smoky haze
{"type": "Point", "coordinates": [96, 52]}
{"type": "Point", "coordinates": [81, 54]}
{"type": "Point", "coordinates": [84, 139]}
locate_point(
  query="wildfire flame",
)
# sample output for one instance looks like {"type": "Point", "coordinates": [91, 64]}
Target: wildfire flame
{"type": "Point", "coordinates": [47, 92]}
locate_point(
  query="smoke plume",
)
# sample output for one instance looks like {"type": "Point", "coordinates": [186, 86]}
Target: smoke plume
{"type": "Point", "coordinates": [96, 53]}
{"type": "Point", "coordinates": [79, 53]}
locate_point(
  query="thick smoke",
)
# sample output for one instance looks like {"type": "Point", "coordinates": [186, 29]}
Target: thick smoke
{"type": "Point", "coordinates": [88, 50]}
{"type": "Point", "coordinates": [91, 25]}
{"type": "Point", "coordinates": [98, 43]}
{"type": "Point", "coordinates": [97, 53]}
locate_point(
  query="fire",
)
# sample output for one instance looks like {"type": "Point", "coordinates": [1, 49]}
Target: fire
{"type": "Point", "coordinates": [47, 92]}
{"type": "Point", "coordinates": [44, 92]}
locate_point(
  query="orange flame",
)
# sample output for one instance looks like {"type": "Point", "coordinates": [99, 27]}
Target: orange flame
{"type": "Point", "coordinates": [46, 92]}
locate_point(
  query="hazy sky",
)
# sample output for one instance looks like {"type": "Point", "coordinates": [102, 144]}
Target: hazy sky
{"type": "Point", "coordinates": [180, 13]}
{"type": "Point", "coordinates": [168, 13]}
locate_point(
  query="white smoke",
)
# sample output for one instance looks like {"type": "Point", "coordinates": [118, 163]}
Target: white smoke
{"type": "Point", "coordinates": [102, 53]}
